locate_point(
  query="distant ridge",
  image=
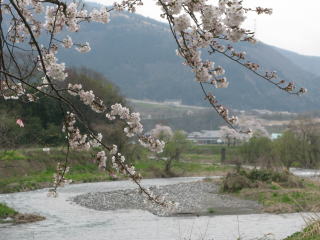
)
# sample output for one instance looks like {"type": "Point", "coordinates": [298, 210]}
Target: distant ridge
{"type": "Point", "coordinates": [307, 63]}
{"type": "Point", "coordinates": [138, 55]}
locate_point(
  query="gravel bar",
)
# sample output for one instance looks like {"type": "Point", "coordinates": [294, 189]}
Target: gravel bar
{"type": "Point", "coordinates": [195, 198]}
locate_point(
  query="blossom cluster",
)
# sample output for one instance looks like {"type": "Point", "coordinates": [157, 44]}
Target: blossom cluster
{"type": "Point", "coordinates": [119, 164]}
{"type": "Point", "coordinates": [204, 25]}
{"type": "Point", "coordinates": [161, 132]}
{"type": "Point", "coordinates": [134, 126]}
{"type": "Point", "coordinates": [54, 70]}
{"type": "Point", "coordinates": [84, 48]}
{"type": "Point", "coordinates": [59, 16]}
{"type": "Point", "coordinates": [87, 97]}
{"type": "Point", "coordinates": [133, 121]}
{"type": "Point", "coordinates": [11, 91]}
{"type": "Point", "coordinates": [150, 198]}
{"type": "Point", "coordinates": [129, 5]}
{"type": "Point", "coordinates": [221, 110]}
{"type": "Point", "coordinates": [63, 15]}
{"type": "Point", "coordinates": [152, 143]}
{"type": "Point", "coordinates": [76, 140]}
{"type": "Point", "coordinates": [59, 179]}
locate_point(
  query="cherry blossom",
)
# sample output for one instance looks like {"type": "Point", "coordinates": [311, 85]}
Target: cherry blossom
{"type": "Point", "coordinates": [40, 27]}
{"type": "Point", "coordinates": [20, 123]}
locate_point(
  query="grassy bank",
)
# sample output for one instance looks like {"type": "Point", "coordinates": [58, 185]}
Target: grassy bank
{"type": "Point", "coordinates": [278, 192]}
{"type": "Point", "coordinates": [29, 169]}
{"type": "Point", "coordinates": [9, 215]}
{"type": "Point", "coordinates": [311, 232]}
{"type": "Point", "coordinates": [152, 169]}
{"type": "Point", "coordinates": [6, 211]}
{"type": "Point", "coordinates": [44, 179]}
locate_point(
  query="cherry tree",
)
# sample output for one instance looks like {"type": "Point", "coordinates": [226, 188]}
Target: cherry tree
{"type": "Point", "coordinates": [38, 30]}
{"type": "Point", "coordinates": [229, 134]}
{"type": "Point", "coordinates": [162, 132]}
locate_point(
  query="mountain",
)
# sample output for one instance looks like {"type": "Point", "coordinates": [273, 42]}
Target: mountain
{"type": "Point", "coordinates": [138, 55]}
{"type": "Point", "coordinates": [307, 63]}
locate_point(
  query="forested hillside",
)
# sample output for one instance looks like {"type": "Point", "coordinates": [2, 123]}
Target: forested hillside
{"type": "Point", "coordinates": [43, 119]}
{"type": "Point", "coordinates": [308, 63]}
{"type": "Point", "coordinates": [138, 55]}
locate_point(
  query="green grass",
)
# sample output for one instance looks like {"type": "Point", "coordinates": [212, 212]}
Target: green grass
{"type": "Point", "coordinates": [311, 232]}
{"type": "Point", "coordinates": [23, 183]}
{"type": "Point", "coordinates": [211, 210]}
{"type": "Point", "coordinates": [278, 192]}
{"type": "Point", "coordinates": [201, 157]}
{"type": "Point", "coordinates": [32, 168]}
{"type": "Point", "coordinates": [299, 236]}
{"type": "Point", "coordinates": [197, 167]}
{"type": "Point", "coordinates": [211, 149]}
{"type": "Point", "coordinates": [154, 168]}
{"type": "Point", "coordinates": [6, 211]}
{"type": "Point", "coordinates": [44, 179]}
{"type": "Point", "coordinates": [15, 217]}
{"type": "Point", "coordinates": [281, 200]}
{"type": "Point", "coordinates": [300, 199]}
{"type": "Point", "coordinates": [11, 155]}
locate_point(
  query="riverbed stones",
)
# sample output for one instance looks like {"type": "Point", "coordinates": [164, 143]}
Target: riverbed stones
{"type": "Point", "coordinates": [195, 198]}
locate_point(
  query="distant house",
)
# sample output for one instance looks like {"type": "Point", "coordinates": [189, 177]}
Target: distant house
{"type": "Point", "coordinates": [206, 137]}
{"type": "Point", "coordinates": [275, 136]}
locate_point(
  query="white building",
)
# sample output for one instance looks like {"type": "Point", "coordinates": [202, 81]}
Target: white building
{"type": "Point", "coordinates": [275, 136]}
{"type": "Point", "coordinates": [206, 137]}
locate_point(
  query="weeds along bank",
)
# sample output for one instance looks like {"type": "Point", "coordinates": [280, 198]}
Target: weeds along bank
{"type": "Point", "coordinates": [261, 176]}
{"type": "Point", "coordinates": [278, 192]}
{"type": "Point", "coordinates": [28, 169]}
{"type": "Point", "coordinates": [33, 168]}
{"type": "Point", "coordinates": [9, 215]}
{"type": "Point", "coordinates": [311, 232]}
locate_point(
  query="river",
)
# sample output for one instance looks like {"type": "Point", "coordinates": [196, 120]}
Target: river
{"type": "Point", "coordinates": [66, 220]}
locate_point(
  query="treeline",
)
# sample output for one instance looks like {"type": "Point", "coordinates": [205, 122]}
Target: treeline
{"type": "Point", "coordinates": [43, 119]}
{"type": "Point", "coordinates": [299, 146]}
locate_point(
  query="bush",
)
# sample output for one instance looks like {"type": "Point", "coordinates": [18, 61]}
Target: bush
{"type": "Point", "coordinates": [234, 182]}
{"type": "Point", "coordinates": [266, 175]}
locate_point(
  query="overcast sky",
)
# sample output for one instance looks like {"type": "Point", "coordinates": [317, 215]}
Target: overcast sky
{"type": "Point", "coordinates": [294, 24]}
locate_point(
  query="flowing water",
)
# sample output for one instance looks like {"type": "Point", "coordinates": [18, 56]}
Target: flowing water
{"type": "Point", "coordinates": [68, 221]}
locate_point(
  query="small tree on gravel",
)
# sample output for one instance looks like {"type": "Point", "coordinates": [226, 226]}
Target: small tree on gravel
{"type": "Point", "coordinates": [288, 148]}
{"type": "Point", "coordinates": [175, 146]}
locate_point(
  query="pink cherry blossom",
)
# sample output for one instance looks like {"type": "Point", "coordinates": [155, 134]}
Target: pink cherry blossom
{"type": "Point", "coordinates": [20, 122]}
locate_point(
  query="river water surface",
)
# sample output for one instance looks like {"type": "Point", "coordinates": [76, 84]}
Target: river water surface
{"type": "Point", "coordinates": [69, 221]}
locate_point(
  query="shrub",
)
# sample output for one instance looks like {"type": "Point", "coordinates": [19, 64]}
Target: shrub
{"type": "Point", "coordinates": [236, 181]}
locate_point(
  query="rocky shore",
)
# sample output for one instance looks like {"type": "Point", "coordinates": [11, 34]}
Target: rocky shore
{"type": "Point", "coordinates": [195, 198]}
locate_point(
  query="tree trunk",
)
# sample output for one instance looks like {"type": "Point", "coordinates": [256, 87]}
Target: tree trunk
{"type": "Point", "coordinates": [168, 165]}
{"type": "Point", "coordinates": [223, 155]}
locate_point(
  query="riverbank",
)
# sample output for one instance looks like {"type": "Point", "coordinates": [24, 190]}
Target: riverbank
{"type": "Point", "coordinates": [67, 220]}
{"type": "Point", "coordinates": [10, 216]}
{"type": "Point", "coordinates": [30, 169]}
{"type": "Point", "coordinates": [278, 192]}
{"type": "Point", "coordinates": [311, 232]}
